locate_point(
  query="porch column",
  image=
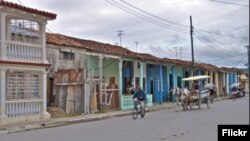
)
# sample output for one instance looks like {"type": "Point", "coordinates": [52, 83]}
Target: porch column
{"type": "Point", "coordinates": [161, 84]}
{"type": "Point", "coordinates": [217, 83]}
{"type": "Point", "coordinates": [223, 83]}
{"type": "Point", "coordinates": [100, 80]}
{"type": "Point", "coordinates": [42, 25]}
{"type": "Point", "coordinates": [174, 82]}
{"type": "Point", "coordinates": [206, 73]}
{"type": "Point", "coordinates": [227, 83]}
{"type": "Point", "coordinates": [212, 77]}
{"type": "Point", "coordinates": [141, 75]}
{"type": "Point", "coordinates": [120, 84]}
{"type": "Point", "coordinates": [45, 114]}
{"type": "Point", "coordinates": [236, 78]}
{"type": "Point", "coordinates": [3, 36]}
{"type": "Point", "coordinates": [2, 93]}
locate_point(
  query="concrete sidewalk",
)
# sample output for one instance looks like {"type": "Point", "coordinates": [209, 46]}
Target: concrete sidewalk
{"type": "Point", "coordinates": [25, 126]}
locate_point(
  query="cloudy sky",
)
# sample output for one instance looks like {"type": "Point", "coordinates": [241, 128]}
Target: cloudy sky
{"type": "Point", "coordinates": [161, 27]}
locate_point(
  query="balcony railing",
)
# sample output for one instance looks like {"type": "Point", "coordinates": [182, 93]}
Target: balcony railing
{"type": "Point", "coordinates": [18, 51]}
{"type": "Point", "coordinates": [23, 108]}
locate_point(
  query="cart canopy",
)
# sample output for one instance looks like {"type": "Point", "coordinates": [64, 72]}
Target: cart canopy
{"type": "Point", "coordinates": [209, 86]}
{"type": "Point", "coordinates": [199, 77]}
{"type": "Point", "coordinates": [235, 85]}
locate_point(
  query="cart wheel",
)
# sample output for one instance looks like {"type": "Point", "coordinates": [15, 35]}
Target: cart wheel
{"type": "Point", "coordinates": [199, 104]}
{"type": "Point", "coordinates": [142, 112]}
{"type": "Point", "coordinates": [208, 102]}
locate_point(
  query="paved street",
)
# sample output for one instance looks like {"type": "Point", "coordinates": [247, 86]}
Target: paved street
{"type": "Point", "coordinates": [169, 125]}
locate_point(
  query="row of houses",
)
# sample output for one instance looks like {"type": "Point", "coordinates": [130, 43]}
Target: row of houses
{"type": "Point", "coordinates": [39, 69]}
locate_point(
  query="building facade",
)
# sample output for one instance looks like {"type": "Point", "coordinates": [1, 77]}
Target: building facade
{"type": "Point", "coordinates": [23, 62]}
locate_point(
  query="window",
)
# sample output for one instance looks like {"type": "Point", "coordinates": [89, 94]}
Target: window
{"type": "Point", "coordinates": [24, 31]}
{"type": "Point", "coordinates": [67, 55]}
{"type": "Point", "coordinates": [23, 85]}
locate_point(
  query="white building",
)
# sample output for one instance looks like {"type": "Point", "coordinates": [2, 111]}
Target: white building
{"type": "Point", "coordinates": [23, 83]}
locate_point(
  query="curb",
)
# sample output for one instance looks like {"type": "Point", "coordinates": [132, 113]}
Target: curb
{"type": "Point", "coordinates": [88, 118]}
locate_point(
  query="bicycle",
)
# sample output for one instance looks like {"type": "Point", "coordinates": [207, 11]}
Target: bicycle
{"type": "Point", "coordinates": [139, 108]}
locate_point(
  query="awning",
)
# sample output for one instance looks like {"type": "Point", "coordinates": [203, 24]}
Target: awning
{"type": "Point", "coordinates": [199, 77]}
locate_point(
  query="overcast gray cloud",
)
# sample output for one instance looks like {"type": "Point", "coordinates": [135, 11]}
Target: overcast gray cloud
{"type": "Point", "coordinates": [99, 20]}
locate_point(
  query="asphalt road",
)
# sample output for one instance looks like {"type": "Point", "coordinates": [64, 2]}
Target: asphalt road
{"type": "Point", "coordinates": [168, 125]}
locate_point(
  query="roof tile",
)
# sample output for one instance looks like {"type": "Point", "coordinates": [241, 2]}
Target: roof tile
{"type": "Point", "coordinates": [27, 9]}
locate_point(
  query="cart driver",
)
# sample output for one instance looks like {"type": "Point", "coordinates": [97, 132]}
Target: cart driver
{"type": "Point", "coordinates": [195, 87]}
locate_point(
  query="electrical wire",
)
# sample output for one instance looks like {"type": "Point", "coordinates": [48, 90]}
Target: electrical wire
{"type": "Point", "coordinates": [157, 17]}
{"type": "Point", "coordinates": [130, 11]}
{"type": "Point", "coordinates": [230, 3]}
{"type": "Point", "coordinates": [226, 51]}
{"type": "Point", "coordinates": [177, 25]}
{"type": "Point", "coordinates": [223, 59]}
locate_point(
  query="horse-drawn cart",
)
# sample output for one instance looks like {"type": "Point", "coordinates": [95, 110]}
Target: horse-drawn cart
{"type": "Point", "coordinates": [192, 98]}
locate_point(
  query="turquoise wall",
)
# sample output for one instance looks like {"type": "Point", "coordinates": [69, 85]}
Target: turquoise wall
{"type": "Point", "coordinates": [110, 68]}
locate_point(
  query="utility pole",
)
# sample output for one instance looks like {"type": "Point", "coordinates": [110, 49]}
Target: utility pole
{"type": "Point", "coordinates": [248, 53]}
{"type": "Point", "coordinates": [120, 33]}
{"type": "Point", "coordinates": [136, 43]}
{"type": "Point", "coordinates": [175, 52]}
{"type": "Point", "coordinates": [192, 47]}
{"type": "Point", "coordinates": [180, 52]}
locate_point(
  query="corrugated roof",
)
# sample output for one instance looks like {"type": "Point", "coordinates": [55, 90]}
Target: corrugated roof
{"type": "Point", "coordinates": [27, 9]}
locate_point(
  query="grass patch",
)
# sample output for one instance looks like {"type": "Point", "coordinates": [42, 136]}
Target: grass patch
{"type": "Point", "coordinates": [102, 111]}
{"type": "Point", "coordinates": [72, 115]}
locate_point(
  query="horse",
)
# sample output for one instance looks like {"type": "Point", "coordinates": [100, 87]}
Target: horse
{"type": "Point", "coordinates": [183, 96]}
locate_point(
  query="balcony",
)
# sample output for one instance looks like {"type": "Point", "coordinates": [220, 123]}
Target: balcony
{"type": "Point", "coordinates": [24, 52]}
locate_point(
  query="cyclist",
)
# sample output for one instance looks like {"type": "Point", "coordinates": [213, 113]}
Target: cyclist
{"type": "Point", "coordinates": [140, 96]}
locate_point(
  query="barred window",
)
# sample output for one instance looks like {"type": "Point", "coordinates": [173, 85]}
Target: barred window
{"type": "Point", "coordinates": [67, 55]}
{"type": "Point", "coordinates": [23, 85]}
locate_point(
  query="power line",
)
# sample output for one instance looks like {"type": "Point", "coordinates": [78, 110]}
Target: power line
{"type": "Point", "coordinates": [176, 25]}
{"type": "Point", "coordinates": [218, 34]}
{"type": "Point", "coordinates": [230, 3]}
{"type": "Point", "coordinates": [216, 45]}
{"type": "Point", "coordinates": [224, 58]}
{"type": "Point", "coordinates": [171, 22]}
{"type": "Point", "coordinates": [128, 10]}
{"type": "Point", "coordinates": [20, 2]}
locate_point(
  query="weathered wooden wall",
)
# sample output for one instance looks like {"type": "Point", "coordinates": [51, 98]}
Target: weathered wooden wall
{"type": "Point", "coordinates": [69, 90]}
{"type": "Point", "coordinates": [68, 76]}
